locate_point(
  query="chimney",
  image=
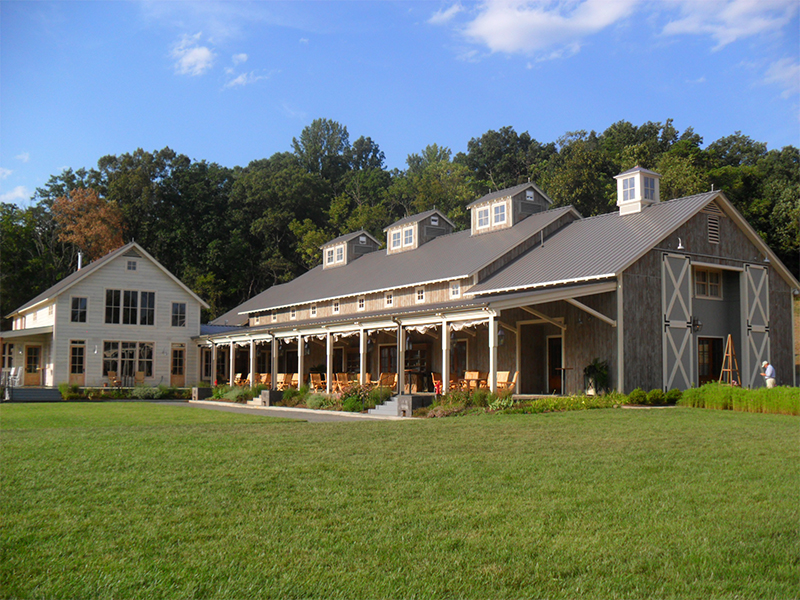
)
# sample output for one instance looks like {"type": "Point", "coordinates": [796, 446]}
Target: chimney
{"type": "Point", "coordinates": [637, 188]}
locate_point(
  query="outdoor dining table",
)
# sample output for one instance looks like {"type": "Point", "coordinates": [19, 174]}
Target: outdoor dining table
{"type": "Point", "coordinates": [473, 382]}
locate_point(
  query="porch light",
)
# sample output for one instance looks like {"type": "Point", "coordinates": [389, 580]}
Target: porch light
{"type": "Point", "coordinates": [409, 343]}
{"type": "Point", "coordinates": [697, 325]}
{"type": "Point", "coordinates": [501, 337]}
{"type": "Point", "coordinates": [370, 344]}
{"type": "Point", "coordinates": [680, 245]}
{"type": "Point", "coordinates": [306, 348]}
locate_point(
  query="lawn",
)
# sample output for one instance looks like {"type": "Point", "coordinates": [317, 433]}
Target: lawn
{"type": "Point", "coordinates": [148, 501]}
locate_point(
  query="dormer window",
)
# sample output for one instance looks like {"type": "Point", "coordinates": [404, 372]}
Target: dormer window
{"type": "Point", "coordinates": [339, 254]}
{"type": "Point", "coordinates": [629, 189]}
{"type": "Point", "coordinates": [329, 256]}
{"type": "Point", "coordinates": [274, 316]}
{"type": "Point", "coordinates": [408, 236]}
{"type": "Point", "coordinates": [396, 239]}
{"type": "Point", "coordinates": [362, 239]}
{"type": "Point", "coordinates": [529, 195]}
{"type": "Point", "coordinates": [483, 217]}
{"type": "Point", "coordinates": [499, 213]}
{"type": "Point", "coordinates": [649, 188]}
{"type": "Point", "coordinates": [435, 220]}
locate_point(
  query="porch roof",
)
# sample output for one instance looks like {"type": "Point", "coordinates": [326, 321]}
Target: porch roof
{"type": "Point", "coordinates": [25, 333]}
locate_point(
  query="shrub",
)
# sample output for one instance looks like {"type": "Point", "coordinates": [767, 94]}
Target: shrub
{"type": "Point", "coordinates": [352, 404]}
{"type": "Point", "coordinates": [637, 396]}
{"type": "Point", "coordinates": [378, 396]}
{"type": "Point", "coordinates": [673, 396]}
{"type": "Point", "coordinates": [655, 397]}
{"type": "Point", "coordinates": [779, 400]}
{"type": "Point", "coordinates": [144, 392]}
{"type": "Point", "coordinates": [502, 403]}
{"type": "Point", "coordinates": [220, 391]}
{"type": "Point", "coordinates": [291, 397]}
{"type": "Point", "coordinates": [317, 401]}
{"type": "Point", "coordinates": [481, 398]}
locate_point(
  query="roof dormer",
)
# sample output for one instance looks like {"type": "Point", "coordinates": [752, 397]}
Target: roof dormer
{"type": "Point", "coordinates": [507, 207]}
{"type": "Point", "coordinates": [411, 232]}
{"type": "Point", "coordinates": [346, 248]}
{"type": "Point", "coordinates": [637, 188]}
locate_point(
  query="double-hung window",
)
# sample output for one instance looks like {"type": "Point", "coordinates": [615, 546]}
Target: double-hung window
{"type": "Point", "coordinates": [179, 314]}
{"type": "Point", "coordinates": [420, 295]}
{"type": "Point", "coordinates": [649, 188]}
{"type": "Point", "coordinates": [455, 289]}
{"type": "Point", "coordinates": [147, 308]}
{"type": "Point", "coordinates": [396, 239]}
{"type": "Point", "coordinates": [483, 217]}
{"type": "Point", "coordinates": [329, 256]}
{"type": "Point", "coordinates": [130, 307]}
{"type": "Point", "coordinates": [113, 304]}
{"type": "Point", "coordinates": [499, 213]}
{"type": "Point", "coordinates": [629, 189]}
{"type": "Point", "coordinates": [339, 254]}
{"type": "Point", "coordinates": [78, 314]}
{"type": "Point", "coordinates": [408, 236]}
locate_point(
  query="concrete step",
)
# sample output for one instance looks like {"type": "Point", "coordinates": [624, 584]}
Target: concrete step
{"type": "Point", "coordinates": [389, 408]}
{"type": "Point", "coordinates": [33, 394]}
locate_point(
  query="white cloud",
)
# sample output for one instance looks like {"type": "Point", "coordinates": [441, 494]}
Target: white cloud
{"type": "Point", "coordinates": [239, 58]}
{"type": "Point", "coordinates": [248, 78]}
{"type": "Point", "coordinates": [5, 172]}
{"type": "Point", "coordinates": [785, 73]}
{"type": "Point", "coordinates": [18, 193]}
{"type": "Point", "coordinates": [445, 16]}
{"type": "Point", "coordinates": [192, 59]}
{"type": "Point", "coordinates": [304, 40]}
{"type": "Point", "coordinates": [24, 156]}
{"type": "Point", "coordinates": [531, 27]}
{"type": "Point", "coordinates": [729, 20]}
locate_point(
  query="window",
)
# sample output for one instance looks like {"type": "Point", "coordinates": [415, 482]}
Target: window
{"type": "Point", "coordinates": [339, 254]}
{"type": "Point", "coordinates": [147, 308]}
{"type": "Point", "coordinates": [329, 256]}
{"type": "Point", "coordinates": [713, 229]}
{"type": "Point", "coordinates": [455, 289]}
{"type": "Point", "coordinates": [274, 316]}
{"type": "Point", "coordinates": [629, 189]}
{"type": "Point", "coordinates": [77, 357]}
{"type": "Point", "coordinates": [146, 358]}
{"type": "Point", "coordinates": [8, 356]}
{"type": "Point", "coordinates": [362, 303]}
{"type": "Point", "coordinates": [434, 220]}
{"type": "Point", "coordinates": [388, 299]}
{"type": "Point", "coordinates": [649, 188]}
{"type": "Point", "coordinates": [293, 313]}
{"type": "Point", "coordinates": [178, 358]}
{"type": "Point", "coordinates": [362, 240]}
{"type": "Point", "coordinates": [78, 314]}
{"type": "Point", "coordinates": [388, 359]}
{"type": "Point", "coordinates": [179, 314]}
{"type": "Point", "coordinates": [113, 302]}
{"type": "Point", "coordinates": [529, 195]}
{"type": "Point", "coordinates": [50, 310]}
{"type": "Point", "coordinates": [131, 265]}
{"type": "Point", "coordinates": [336, 307]}
{"type": "Point", "coordinates": [130, 301]}
{"type": "Point", "coordinates": [207, 364]}
{"type": "Point", "coordinates": [483, 217]}
{"type": "Point", "coordinates": [396, 239]}
{"type": "Point", "coordinates": [499, 213]}
{"type": "Point", "coordinates": [408, 236]}
{"type": "Point", "coordinates": [420, 294]}
{"type": "Point", "coordinates": [313, 310]}
{"type": "Point", "coordinates": [708, 284]}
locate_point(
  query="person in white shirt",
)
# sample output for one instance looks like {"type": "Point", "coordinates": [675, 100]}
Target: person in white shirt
{"type": "Point", "coordinates": [768, 374]}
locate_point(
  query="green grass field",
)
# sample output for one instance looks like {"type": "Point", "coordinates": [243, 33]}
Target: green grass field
{"type": "Point", "coordinates": [148, 501]}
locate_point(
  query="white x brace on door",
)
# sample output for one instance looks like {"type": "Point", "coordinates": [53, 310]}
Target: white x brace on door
{"type": "Point", "coordinates": [676, 298]}
{"type": "Point", "coordinates": [755, 323]}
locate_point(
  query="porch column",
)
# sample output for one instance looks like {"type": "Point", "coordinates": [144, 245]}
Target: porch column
{"type": "Point", "coordinates": [300, 359]}
{"type": "Point", "coordinates": [362, 350]}
{"type": "Point", "coordinates": [620, 340]}
{"type": "Point", "coordinates": [273, 367]}
{"type": "Point", "coordinates": [328, 360]}
{"type": "Point", "coordinates": [213, 364]}
{"type": "Point", "coordinates": [401, 359]}
{"type": "Point", "coordinates": [232, 358]}
{"type": "Point", "coordinates": [445, 357]}
{"type": "Point", "coordinates": [252, 362]}
{"type": "Point", "coordinates": [492, 352]}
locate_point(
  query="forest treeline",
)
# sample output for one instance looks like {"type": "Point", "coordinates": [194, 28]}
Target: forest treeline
{"type": "Point", "coordinates": [230, 233]}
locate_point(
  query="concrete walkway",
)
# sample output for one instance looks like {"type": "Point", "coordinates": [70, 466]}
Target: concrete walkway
{"type": "Point", "coordinates": [304, 414]}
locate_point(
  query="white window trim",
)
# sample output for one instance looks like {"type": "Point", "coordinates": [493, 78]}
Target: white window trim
{"type": "Point", "coordinates": [411, 242]}
{"type": "Point", "coordinates": [335, 308]}
{"type": "Point", "coordinates": [362, 240]}
{"type": "Point", "coordinates": [293, 314]}
{"type": "Point", "coordinates": [388, 299]}
{"type": "Point", "coordinates": [495, 206]}
{"type": "Point", "coordinates": [435, 220]}
{"type": "Point", "coordinates": [398, 241]}
{"type": "Point", "coordinates": [629, 195]}
{"type": "Point", "coordinates": [455, 289]}
{"type": "Point", "coordinates": [420, 291]}
{"type": "Point", "coordinates": [131, 266]}
{"type": "Point", "coordinates": [478, 218]}
{"type": "Point", "coordinates": [339, 251]}
{"type": "Point", "coordinates": [329, 254]}
{"type": "Point", "coordinates": [361, 305]}
{"type": "Point", "coordinates": [313, 310]}
{"type": "Point", "coordinates": [274, 316]}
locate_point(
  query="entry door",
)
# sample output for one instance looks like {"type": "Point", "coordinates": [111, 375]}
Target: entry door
{"type": "Point", "coordinates": [554, 364]}
{"type": "Point", "coordinates": [676, 298]}
{"type": "Point", "coordinates": [177, 372]}
{"type": "Point", "coordinates": [33, 365]}
{"type": "Point", "coordinates": [458, 357]}
{"type": "Point", "coordinates": [77, 364]}
{"type": "Point", "coordinates": [709, 359]}
{"type": "Point", "coordinates": [756, 324]}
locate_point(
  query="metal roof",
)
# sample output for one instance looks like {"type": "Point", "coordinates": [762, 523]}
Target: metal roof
{"type": "Point", "coordinates": [349, 236]}
{"type": "Point", "coordinates": [637, 169]}
{"type": "Point", "coordinates": [595, 247]}
{"type": "Point", "coordinates": [447, 257]}
{"type": "Point", "coordinates": [418, 217]}
{"type": "Point", "coordinates": [509, 192]}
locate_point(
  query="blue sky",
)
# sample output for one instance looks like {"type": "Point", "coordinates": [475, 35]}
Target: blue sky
{"type": "Point", "coordinates": [232, 82]}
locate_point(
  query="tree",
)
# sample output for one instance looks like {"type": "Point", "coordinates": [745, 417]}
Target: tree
{"type": "Point", "coordinates": [323, 149]}
{"type": "Point", "coordinates": [89, 222]}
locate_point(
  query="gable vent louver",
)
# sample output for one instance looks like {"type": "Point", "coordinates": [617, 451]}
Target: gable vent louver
{"type": "Point", "coordinates": [133, 253]}
{"type": "Point", "coordinates": [713, 229]}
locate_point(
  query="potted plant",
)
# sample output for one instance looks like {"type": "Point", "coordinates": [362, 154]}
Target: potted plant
{"type": "Point", "coordinates": [595, 377]}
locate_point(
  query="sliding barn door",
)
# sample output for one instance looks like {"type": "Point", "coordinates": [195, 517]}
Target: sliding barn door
{"type": "Point", "coordinates": [676, 297]}
{"type": "Point", "coordinates": [755, 323]}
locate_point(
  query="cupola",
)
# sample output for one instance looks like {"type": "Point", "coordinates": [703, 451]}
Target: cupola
{"type": "Point", "coordinates": [637, 188]}
{"type": "Point", "coordinates": [346, 248]}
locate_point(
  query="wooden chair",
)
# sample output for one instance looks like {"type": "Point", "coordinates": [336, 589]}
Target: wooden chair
{"type": "Point", "coordinates": [388, 380]}
{"type": "Point", "coordinates": [237, 379]}
{"type": "Point", "coordinates": [266, 379]}
{"type": "Point", "coordinates": [316, 383]}
{"type": "Point", "coordinates": [138, 378]}
{"type": "Point", "coordinates": [455, 382]}
{"type": "Point", "coordinates": [438, 386]}
{"type": "Point", "coordinates": [506, 383]}
{"type": "Point", "coordinates": [281, 382]}
{"type": "Point", "coordinates": [471, 380]}
{"type": "Point", "coordinates": [294, 380]}
{"type": "Point", "coordinates": [341, 382]}
{"type": "Point", "coordinates": [256, 378]}
{"type": "Point", "coordinates": [483, 380]}
{"type": "Point", "coordinates": [113, 381]}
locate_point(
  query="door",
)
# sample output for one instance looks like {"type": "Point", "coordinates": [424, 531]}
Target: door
{"type": "Point", "coordinates": [709, 359]}
{"type": "Point", "coordinates": [458, 357]}
{"type": "Point", "coordinates": [33, 365]}
{"type": "Point", "coordinates": [177, 372]}
{"type": "Point", "coordinates": [554, 365]}
{"type": "Point", "coordinates": [676, 299]}
{"type": "Point", "coordinates": [755, 323]}
{"type": "Point", "coordinates": [77, 363]}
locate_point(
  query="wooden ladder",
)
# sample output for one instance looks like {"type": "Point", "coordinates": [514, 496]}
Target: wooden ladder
{"type": "Point", "coordinates": [730, 365]}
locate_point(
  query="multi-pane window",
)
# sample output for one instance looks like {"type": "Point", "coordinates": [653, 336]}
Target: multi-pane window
{"type": "Point", "coordinates": [146, 358]}
{"type": "Point", "coordinates": [131, 265]}
{"type": "Point", "coordinates": [408, 236]}
{"type": "Point", "coordinates": [339, 254]}
{"type": "Point", "coordinates": [420, 294]}
{"type": "Point", "coordinates": [8, 356]}
{"type": "Point", "coordinates": [362, 303]}
{"type": "Point", "coordinates": [629, 189]}
{"type": "Point", "coordinates": [649, 188]}
{"type": "Point", "coordinates": [178, 358]}
{"type": "Point", "coordinates": [499, 213]}
{"type": "Point", "coordinates": [293, 313]}
{"type": "Point", "coordinates": [207, 364]}
{"type": "Point", "coordinates": [336, 307]}
{"type": "Point", "coordinates": [78, 314]}
{"type": "Point", "coordinates": [179, 314]}
{"type": "Point", "coordinates": [130, 307]}
{"type": "Point", "coordinates": [329, 256]}
{"type": "Point", "coordinates": [483, 217]}
{"type": "Point", "coordinates": [455, 289]}
{"type": "Point", "coordinates": [389, 299]}
{"type": "Point", "coordinates": [313, 310]}
{"type": "Point", "coordinates": [77, 357]}
{"type": "Point", "coordinates": [113, 304]}
{"type": "Point", "coordinates": [396, 239]}
{"type": "Point", "coordinates": [707, 283]}
{"type": "Point", "coordinates": [110, 357]}
{"type": "Point", "coordinates": [274, 316]}
{"type": "Point", "coordinates": [147, 308]}
{"type": "Point", "coordinates": [125, 358]}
